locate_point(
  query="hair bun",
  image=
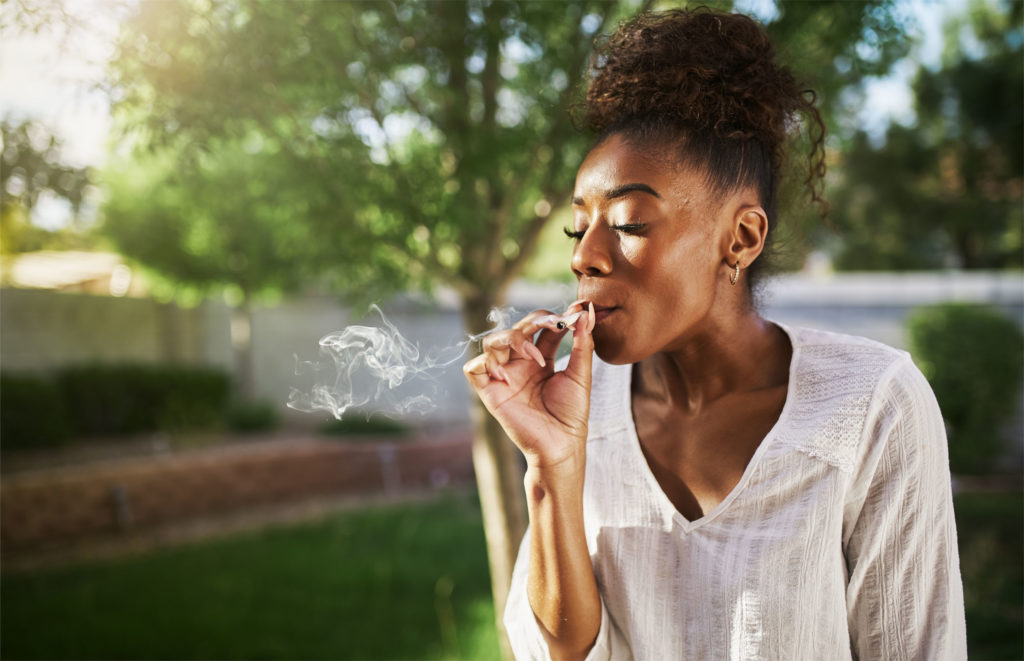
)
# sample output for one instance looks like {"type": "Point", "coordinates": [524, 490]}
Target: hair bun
{"type": "Point", "coordinates": [700, 70]}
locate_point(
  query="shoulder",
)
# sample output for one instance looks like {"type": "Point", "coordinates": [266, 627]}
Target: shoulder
{"type": "Point", "coordinates": [840, 386]}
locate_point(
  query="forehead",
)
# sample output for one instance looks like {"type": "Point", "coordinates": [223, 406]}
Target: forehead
{"type": "Point", "coordinates": [616, 162]}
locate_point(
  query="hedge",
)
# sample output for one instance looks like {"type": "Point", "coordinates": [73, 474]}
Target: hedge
{"type": "Point", "coordinates": [109, 400]}
{"type": "Point", "coordinates": [973, 357]}
{"type": "Point", "coordinates": [32, 413]}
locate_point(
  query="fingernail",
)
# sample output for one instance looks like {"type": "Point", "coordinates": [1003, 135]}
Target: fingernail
{"type": "Point", "coordinates": [591, 319]}
{"type": "Point", "coordinates": [502, 373]}
{"type": "Point", "coordinates": [535, 353]}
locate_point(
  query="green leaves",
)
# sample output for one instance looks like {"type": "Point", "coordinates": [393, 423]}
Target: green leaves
{"type": "Point", "coordinates": [382, 117]}
{"type": "Point", "coordinates": [947, 191]}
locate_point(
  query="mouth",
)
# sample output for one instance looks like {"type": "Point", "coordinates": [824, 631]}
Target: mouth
{"type": "Point", "coordinates": [602, 312]}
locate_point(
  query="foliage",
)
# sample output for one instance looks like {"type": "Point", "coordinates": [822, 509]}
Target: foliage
{"type": "Point", "coordinates": [990, 534]}
{"type": "Point", "coordinates": [248, 416]}
{"type": "Point", "coordinates": [225, 222]}
{"type": "Point", "coordinates": [354, 425]}
{"type": "Point", "coordinates": [948, 191]}
{"type": "Point", "coordinates": [31, 166]}
{"type": "Point", "coordinates": [32, 413]}
{"type": "Point", "coordinates": [433, 140]}
{"type": "Point", "coordinates": [429, 141]}
{"type": "Point", "coordinates": [119, 399]}
{"type": "Point", "coordinates": [973, 356]}
{"type": "Point", "coordinates": [99, 399]}
{"type": "Point", "coordinates": [400, 582]}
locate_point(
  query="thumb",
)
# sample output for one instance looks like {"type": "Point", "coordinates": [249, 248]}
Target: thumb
{"type": "Point", "coordinates": [582, 357]}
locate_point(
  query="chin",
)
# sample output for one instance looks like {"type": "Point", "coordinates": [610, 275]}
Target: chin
{"type": "Point", "coordinates": [614, 350]}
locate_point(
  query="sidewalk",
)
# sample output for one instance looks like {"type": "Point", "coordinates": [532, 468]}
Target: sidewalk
{"type": "Point", "coordinates": [137, 500]}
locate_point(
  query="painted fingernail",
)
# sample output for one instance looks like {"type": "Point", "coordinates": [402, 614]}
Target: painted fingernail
{"type": "Point", "coordinates": [591, 319]}
{"type": "Point", "coordinates": [534, 353]}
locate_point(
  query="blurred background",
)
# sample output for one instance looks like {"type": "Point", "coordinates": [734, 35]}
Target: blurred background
{"type": "Point", "coordinates": [194, 192]}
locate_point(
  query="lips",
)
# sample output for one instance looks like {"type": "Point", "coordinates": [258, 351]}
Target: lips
{"type": "Point", "coordinates": [602, 311]}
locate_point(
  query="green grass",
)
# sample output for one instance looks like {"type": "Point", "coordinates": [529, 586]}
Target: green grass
{"type": "Point", "coordinates": [404, 582]}
{"type": "Point", "coordinates": [990, 528]}
{"type": "Point", "coordinates": [400, 582]}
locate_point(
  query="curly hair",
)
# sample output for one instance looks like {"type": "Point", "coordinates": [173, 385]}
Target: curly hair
{"type": "Point", "coordinates": [706, 83]}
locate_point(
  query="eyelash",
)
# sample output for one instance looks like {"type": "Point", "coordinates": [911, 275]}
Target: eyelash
{"type": "Point", "coordinates": [628, 228]}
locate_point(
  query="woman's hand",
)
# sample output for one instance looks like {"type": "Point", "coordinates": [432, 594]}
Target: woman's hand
{"type": "Point", "coordinates": [544, 412]}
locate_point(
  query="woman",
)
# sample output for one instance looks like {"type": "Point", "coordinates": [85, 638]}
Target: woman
{"type": "Point", "coordinates": [713, 485]}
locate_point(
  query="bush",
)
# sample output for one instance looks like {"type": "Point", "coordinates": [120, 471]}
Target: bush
{"type": "Point", "coordinates": [251, 416]}
{"type": "Point", "coordinates": [973, 356]}
{"type": "Point", "coordinates": [356, 424]}
{"type": "Point", "coordinates": [32, 413]}
{"type": "Point", "coordinates": [120, 399]}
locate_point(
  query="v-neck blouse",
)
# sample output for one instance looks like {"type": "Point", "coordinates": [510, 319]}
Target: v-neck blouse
{"type": "Point", "coordinates": [837, 542]}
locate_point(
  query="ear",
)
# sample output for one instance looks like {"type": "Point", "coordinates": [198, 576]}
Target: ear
{"type": "Point", "coordinates": [749, 230]}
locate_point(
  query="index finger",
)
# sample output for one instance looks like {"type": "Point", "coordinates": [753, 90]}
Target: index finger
{"type": "Point", "coordinates": [545, 319]}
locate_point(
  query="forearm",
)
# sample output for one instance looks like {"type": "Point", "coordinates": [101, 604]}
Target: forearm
{"type": "Point", "coordinates": [561, 587]}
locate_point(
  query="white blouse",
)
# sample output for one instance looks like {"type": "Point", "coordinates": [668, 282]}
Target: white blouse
{"type": "Point", "coordinates": [838, 542]}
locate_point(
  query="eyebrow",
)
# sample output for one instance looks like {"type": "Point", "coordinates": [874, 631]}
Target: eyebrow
{"type": "Point", "coordinates": [620, 191]}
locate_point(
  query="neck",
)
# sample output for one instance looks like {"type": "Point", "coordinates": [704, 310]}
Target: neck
{"type": "Point", "coordinates": [742, 353]}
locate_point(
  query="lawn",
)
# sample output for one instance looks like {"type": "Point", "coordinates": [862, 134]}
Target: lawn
{"type": "Point", "coordinates": [399, 582]}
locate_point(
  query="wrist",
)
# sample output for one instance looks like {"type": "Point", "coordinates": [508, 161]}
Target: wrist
{"type": "Point", "coordinates": [564, 475]}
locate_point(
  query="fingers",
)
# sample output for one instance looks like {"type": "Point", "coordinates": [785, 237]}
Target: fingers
{"type": "Point", "coordinates": [550, 338]}
{"type": "Point", "coordinates": [499, 348]}
{"type": "Point", "coordinates": [582, 357]}
{"type": "Point", "coordinates": [500, 345]}
{"type": "Point", "coordinates": [482, 370]}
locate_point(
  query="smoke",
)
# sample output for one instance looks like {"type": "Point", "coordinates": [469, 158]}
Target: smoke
{"type": "Point", "coordinates": [375, 368]}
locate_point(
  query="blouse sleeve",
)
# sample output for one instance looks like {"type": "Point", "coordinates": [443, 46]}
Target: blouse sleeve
{"type": "Point", "coordinates": [524, 633]}
{"type": "Point", "coordinates": [904, 592]}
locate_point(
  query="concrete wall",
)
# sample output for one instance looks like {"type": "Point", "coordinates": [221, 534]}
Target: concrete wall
{"type": "Point", "coordinates": [43, 330]}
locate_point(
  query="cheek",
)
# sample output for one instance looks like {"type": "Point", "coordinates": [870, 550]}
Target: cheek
{"type": "Point", "coordinates": [673, 269]}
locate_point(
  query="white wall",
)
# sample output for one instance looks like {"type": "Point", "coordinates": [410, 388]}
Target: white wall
{"type": "Point", "coordinates": [42, 330]}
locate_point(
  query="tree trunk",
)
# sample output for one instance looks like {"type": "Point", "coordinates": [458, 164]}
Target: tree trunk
{"type": "Point", "coordinates": [241, 345]}
{"type": "Point", "coordinates": [499, 477]}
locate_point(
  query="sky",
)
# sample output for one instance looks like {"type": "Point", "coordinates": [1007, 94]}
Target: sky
{"type": "Point", "coordinates": [46, 78]}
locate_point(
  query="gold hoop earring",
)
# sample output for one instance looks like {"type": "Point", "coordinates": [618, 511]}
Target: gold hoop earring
{"type": "Point", "coordinates": [734, 277]}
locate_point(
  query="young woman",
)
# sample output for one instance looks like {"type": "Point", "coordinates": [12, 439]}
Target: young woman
{"type": "Point", "coordinates": [713, 485]}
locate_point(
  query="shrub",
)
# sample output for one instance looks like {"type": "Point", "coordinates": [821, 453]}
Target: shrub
{"type": "Point", "coordinates": [32, 413]}
{"type": "Point", "coordinates": [356, 424]}
{"type": "Point", "coordinates": [119, 399]}
{"type": "Point", "coordinates": [251, 416]}
{"type": "Point", "coordinates": [973, 356]}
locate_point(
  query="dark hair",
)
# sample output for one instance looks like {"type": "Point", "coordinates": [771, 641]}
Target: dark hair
{"type": "Point", "coordinates": [706, 84]}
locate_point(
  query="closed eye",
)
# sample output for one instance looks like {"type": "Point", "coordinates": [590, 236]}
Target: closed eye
{"type": "Point", "coordinates": [575, 235]}
{"type": "Point", "coordinates": [630, 228]}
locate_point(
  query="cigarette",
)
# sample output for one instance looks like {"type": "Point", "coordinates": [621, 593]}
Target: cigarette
{"type": "Point", "coordinates": [568, 320]}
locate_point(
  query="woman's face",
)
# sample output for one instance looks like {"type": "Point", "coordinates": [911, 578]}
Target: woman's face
{"type": "Point", "coordinates": [651, 248]}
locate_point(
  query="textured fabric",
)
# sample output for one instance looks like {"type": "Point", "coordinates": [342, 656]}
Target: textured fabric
{"type": "Point", "coordinates": [838, 542]}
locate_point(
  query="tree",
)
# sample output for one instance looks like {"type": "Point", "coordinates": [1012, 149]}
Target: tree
{"type": "Point", "coordinates": [433, 136]}
{"type": "Point", "coordinates": [222, 223]}
{"type": "Point", "coordinates": [31, 165]}
{"type": "Point", "coordinates": [946, 192]}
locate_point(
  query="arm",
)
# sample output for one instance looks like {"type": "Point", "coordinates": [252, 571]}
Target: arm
{"type": "Point", "coordinates": [561, 586]}
{"type": "Point", "coordinates": [545, 414]}
{"type": "Point", "coordinates": [904, 593]}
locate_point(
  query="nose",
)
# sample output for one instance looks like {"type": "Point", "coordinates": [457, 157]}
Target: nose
{"type": "Point", "coordinates": [592, 256]}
